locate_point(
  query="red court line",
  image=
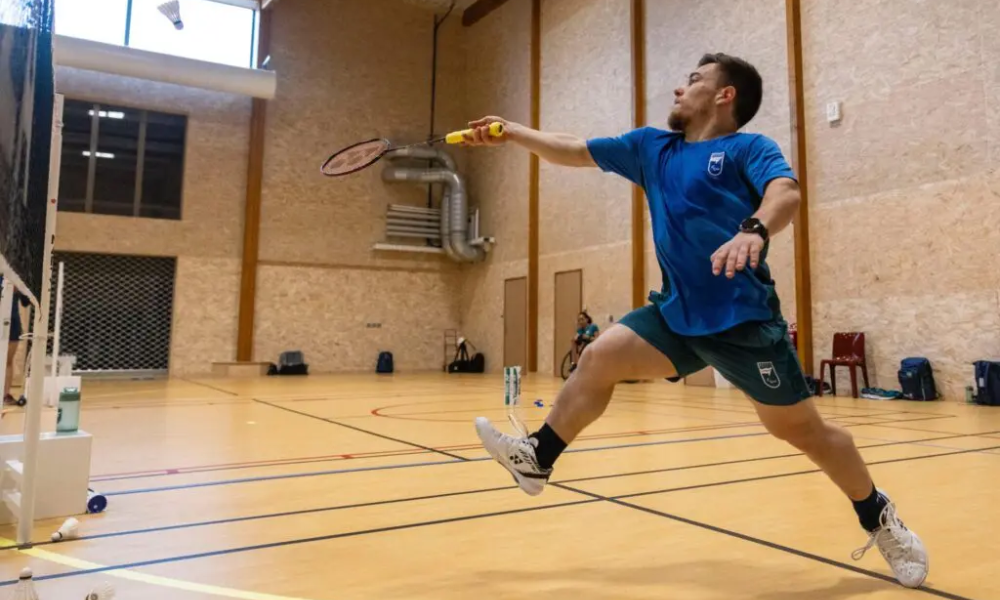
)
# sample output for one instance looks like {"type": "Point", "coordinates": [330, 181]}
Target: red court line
{"type": "Point", "coordinates": [178, 404]}
{"type": "Point", "coordinates": [377, 454]}
{"type": "Point", "coordinates": [715, 401]}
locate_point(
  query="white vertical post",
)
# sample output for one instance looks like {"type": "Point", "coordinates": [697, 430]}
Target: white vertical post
{"type": "Point", "coordinates": [56, 334]}
{"type": "Point", "coordinates": [6, 302]}
{"type": "Point", "coordinates": [39, 337]}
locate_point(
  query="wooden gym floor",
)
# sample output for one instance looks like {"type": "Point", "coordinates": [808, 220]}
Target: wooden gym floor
{"type": "Point", "coordinates": [364, 487]}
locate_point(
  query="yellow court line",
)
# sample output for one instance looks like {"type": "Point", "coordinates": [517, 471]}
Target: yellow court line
{"type": "Point", "coordinates": [168, 582]}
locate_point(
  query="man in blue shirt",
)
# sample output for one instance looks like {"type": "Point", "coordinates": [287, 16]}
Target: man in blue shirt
{"type": "Point", "coordinates": [716, 196]}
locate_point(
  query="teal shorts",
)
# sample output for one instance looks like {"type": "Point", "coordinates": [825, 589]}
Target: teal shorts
{"type": "Point", "coordinates": [756, 357]}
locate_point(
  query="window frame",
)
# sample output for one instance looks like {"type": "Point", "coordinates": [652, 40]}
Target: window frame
{"type": "Point", "coordinates": [252, 5]}
{"type": "Point", "coordinates": [96, 106]}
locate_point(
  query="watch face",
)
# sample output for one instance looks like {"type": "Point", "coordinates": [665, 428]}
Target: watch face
{"type": "Point", "coordinates": [753, 225]}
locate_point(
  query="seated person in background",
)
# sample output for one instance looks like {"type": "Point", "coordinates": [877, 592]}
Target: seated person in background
{"type": "Point", "coordinates": [586, 332]}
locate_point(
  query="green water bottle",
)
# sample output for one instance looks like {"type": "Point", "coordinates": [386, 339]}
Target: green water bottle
{"type": "Point", "coordinates": [68, 420]}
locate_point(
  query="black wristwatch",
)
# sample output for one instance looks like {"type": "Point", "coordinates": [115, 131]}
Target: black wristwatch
{"type": "Point", "coordinates": [753, 225]}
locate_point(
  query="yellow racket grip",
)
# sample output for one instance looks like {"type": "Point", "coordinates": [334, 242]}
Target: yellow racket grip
{"type": "Point", "coordinates": [457, 137]}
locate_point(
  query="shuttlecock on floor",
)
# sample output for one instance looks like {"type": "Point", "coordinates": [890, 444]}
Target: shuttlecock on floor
{"type": "Point", "coordinates": [172, 10]}
{"type": "Point", "coordinates": [101, 592]}
{"type": "Point", "coordinates": [69, 530]}
{"type": "Point", "coordinates": [25, 588]}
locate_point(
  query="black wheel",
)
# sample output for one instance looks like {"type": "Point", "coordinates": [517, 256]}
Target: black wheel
{"type": "Point", "coordinates": [22, 401]}
{"type": "Point", "coordinates": [567, 366]}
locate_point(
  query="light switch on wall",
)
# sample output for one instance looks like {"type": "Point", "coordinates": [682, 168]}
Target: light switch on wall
{"type": "Point", "coordinates": [833, 112]}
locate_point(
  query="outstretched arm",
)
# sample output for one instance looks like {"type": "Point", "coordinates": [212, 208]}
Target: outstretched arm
{"type": "Point", "coordinates": [557, 148]}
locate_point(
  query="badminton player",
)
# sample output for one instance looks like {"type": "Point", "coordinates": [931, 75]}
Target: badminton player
{"type": "Point", "coordinates": [716, 197]}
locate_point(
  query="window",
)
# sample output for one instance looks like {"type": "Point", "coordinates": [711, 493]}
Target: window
{"type": "Point", "coordinates": [96, 20]}
{"type": "Point", "coordinates": [121, 161]}
{"type": "Point", "coordinates": [219, 31]}
{"type": "Point", "coordinates": [214, 32]}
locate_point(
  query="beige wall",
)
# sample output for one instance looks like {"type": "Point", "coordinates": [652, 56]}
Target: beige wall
{"type": "Point", "coordinates": [208, 238]}
{"type": "Point", "coordinates": [905, 191]}
{"type": "Point", "coordinates": [584, 214]}
{"type": "Point", "coordinates": [347, 71]}
{"type": "Point", "coordinates": [498, 78]}
{"type": "Point", "coordinates": [676, 37]}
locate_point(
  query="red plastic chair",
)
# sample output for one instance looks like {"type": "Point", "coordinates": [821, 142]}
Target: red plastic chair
{"type": "Point", "coordinates": [848, 351]}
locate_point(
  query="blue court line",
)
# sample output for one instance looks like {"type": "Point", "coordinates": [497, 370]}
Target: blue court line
{"type": "Point", "coordinates": [433, 463]}
{"type": "Point", "coordinates": [793, 473]}
{"type": "Point", "coordinates": [484, 490]}
{"type": "Point", "coordinates": [760, 542]}
{"type": "Point", "coordinates": [187, 486]}
{"type": "Point", "coordinates": [406, 466]}
{"type": "Point", "coordinates": [321, 538]}
{"type": "Point", "coordinates": [591, 498]}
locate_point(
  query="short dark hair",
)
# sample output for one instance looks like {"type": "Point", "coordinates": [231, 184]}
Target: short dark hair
{"type": "Point", "coordinates": [584, 314]}
{"type": "Point", "coordinates": [744, 77]}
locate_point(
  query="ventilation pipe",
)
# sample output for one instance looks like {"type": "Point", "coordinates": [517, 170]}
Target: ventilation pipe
{"type": "Point", "coordinates": [454, 213]}
{"type": "Point", "coordinates": [454, 202]}
{"type": "Point", "coordinates": [445, 160]}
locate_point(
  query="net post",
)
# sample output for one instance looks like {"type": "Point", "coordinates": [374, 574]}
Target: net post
{"type": "Point", "coordinates": [56, 332]}
{"type": "Point", "coordinates": [39, 335]}
{"type": "Point", "coordinates": [6, 304]}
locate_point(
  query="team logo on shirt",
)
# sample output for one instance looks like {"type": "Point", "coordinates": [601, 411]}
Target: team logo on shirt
{"type": "Point", "coordinates": [769, 375]}
{"type": "Point", "coordinates": [715, 163]}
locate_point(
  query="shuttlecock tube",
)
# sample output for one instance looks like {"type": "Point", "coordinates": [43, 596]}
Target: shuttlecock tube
{"type": "Point", "coordinates": [69, 530]}
{"type": "Point", "coordinates": [96, 502]}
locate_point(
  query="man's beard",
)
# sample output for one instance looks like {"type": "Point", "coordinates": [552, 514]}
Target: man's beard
{"type": "Point", "coordinates": [676, 122]}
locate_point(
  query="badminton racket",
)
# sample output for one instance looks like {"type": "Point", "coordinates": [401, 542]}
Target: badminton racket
{"type": "Point", "coordinates": [364, 154]}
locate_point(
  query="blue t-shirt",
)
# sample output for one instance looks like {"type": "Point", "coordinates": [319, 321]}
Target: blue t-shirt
{"type": "Point", "coordinates": [698, 194]}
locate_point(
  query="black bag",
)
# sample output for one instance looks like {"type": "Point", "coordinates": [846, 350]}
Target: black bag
{"type": "Point", "coordinates": [463, 363]}
{"type": "Point", "coordinates": [987, 383]}
{"type": "Point", "coordinates": [916, 379]}
{"type": "Point", "coordinates": [478, 363]}
{"type": "Point", "coordinates": [292, 362]}
{"type": "Point", "coordinates": [384, 364]}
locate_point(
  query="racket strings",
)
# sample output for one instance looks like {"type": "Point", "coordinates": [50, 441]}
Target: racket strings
{"type": "Point", "coordinates": [355, 157]}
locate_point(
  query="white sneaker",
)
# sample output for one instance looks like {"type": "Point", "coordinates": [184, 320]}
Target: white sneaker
{"type": "Point", "coordinates": [517, 455]}
{"type": "Point", "coordinates": [900, 547]}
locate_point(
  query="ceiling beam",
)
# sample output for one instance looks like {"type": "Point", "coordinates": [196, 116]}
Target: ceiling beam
{"type": "Point", "coordinates": [479, 10]}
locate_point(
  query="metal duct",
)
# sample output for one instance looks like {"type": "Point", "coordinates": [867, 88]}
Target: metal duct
{"type": "Point", "coordinates": [457, 208]}
{"type": "Point", "coordinates": [446, 226]}
{"type": "Point", "coordinates": [445, 160]}
{"type": "Point", "coordinates": [425, 153]}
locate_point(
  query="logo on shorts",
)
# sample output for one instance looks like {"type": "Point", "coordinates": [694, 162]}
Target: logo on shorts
{"type": "Point", "coordinates": [769, 375]}
{"type": "Point", "coordinates": [715, 163]}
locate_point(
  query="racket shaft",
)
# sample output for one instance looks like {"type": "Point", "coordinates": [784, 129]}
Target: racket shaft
{"type": "Point", "coordinates": [457, 137]}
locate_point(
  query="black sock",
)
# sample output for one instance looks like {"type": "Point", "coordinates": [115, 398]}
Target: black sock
{"type": "Point", "coordinates": [870, 510]}
{"type": "Point", "coordinates": [550, 446]}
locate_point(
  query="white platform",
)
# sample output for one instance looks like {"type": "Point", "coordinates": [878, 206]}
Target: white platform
{"type": "Point", "coordinates": [63, 474]}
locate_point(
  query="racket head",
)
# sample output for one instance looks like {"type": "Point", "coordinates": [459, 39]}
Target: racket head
{"type": "Point", "coordinates": [355, 157]}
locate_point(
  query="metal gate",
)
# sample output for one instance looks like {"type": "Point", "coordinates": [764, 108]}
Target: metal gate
{"type": "Point", "coordinates": [117, 311]}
